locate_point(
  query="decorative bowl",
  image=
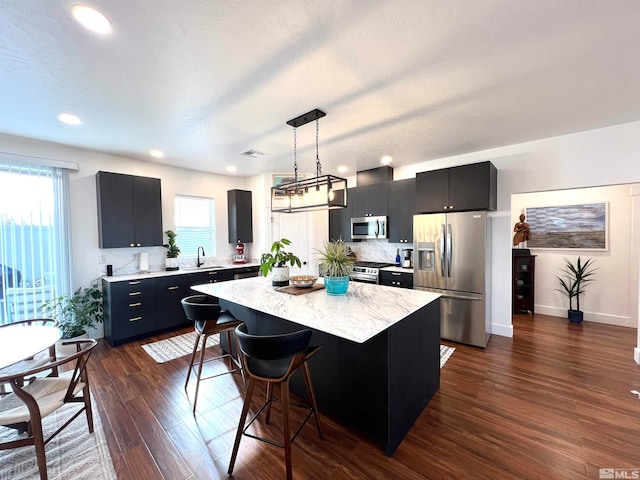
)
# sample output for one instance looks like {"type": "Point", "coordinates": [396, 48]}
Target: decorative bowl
{"type": "Point", "coordinates": [302, 281]}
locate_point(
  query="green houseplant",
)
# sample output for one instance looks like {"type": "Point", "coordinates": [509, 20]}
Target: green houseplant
{"type": "Point", "coordinates": [76, 312]}
{"type": "Point", "coordinates": [335, 263]}
{"type": "Point", "coordinates": [574, 279]}
{"type": "Point", "coordinates": [173, 251]}
{"type": "Point", "coordinates": [276, 262]}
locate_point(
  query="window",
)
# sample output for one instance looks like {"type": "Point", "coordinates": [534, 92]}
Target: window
{"type": "Point", "coordinates": [195, 224]}
{"type": "Point", "coordinates": [34, 238]}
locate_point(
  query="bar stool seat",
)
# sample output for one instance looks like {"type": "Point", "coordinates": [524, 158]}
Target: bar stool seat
{"type": "Point", "coordinates": [274, 359]}
{"type": "Point", "coordinates": [209, 319]}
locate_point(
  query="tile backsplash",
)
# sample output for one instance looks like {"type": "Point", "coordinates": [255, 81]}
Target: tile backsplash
{"type": "Point", "coordinates": [377, 250]}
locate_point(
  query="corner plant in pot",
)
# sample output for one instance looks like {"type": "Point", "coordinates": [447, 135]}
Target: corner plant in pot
{"type": "Point", "coordinates": [276, 262]}
{"type": "Point", "coordinates": [171, 262]}
{"type": "Point", "coordinates": [76, 313]}
{"type": "Point", "coordinates": [572, 283]}
{"type": "Point", "coordinates": [335, 263]}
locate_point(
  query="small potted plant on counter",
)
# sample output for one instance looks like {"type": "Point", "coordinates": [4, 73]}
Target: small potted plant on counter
{"type": "Point", "coordinates": [276, 262]}
{"type": "Point", "coordinates": [76, 314]}
{"type": "Point", "coordinates": [572, 283]}
{"type": "Point", "coordinates": [171, 262]}
{"type": "Point", "coordinates": [335, 264]}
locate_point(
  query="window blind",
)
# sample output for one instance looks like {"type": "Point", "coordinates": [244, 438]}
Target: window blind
{"type": "Point", "coordinates": [195, 219]}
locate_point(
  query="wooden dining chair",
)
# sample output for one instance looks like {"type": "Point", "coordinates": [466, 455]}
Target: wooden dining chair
{"type": "Point", "coordinates": [35, 398]}
{"type": "Point", "coordinates": [41, 358]}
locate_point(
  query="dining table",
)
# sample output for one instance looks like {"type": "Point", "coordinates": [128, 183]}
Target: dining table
{"type": "Point", "coordinates": [21, 342]}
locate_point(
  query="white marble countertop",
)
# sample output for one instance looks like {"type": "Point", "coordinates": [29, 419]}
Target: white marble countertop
{"type": "Point", "coordinates": [361, 314]}
{"type": "Point", "coordinates": [182, 271]}
{"type": "Point", "coordinates": [397, 269]}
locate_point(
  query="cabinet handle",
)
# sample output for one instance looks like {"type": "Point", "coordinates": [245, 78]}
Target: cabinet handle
{"type": "Point", "coordinates": [131, 245]}
{"type": "Point", "coordinates": [173, 288]}
{"type": "Point", "coordinates": [450, 207]}
{"type": "Point", "coordinates": [135, 282]}
{"type": "Point", "coordinates": [133, 294]}
{"type": "Point", "coordinates": [445, 207]}
{"type": "Point", "coordinates": [138, 245]}
{"type": "Point", "coordinates": [396, 274]}
{"type": "Point", "coordinates": [213, 273]}
{"type": "Point", "coordinates": [137, 304]}
{"type": "Point", "coordinates": [135, 319]}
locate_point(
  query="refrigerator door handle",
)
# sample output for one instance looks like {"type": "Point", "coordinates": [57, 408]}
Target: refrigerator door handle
{"type": "Point", "coordinates": [443, 235]}
{"type": "Point", "coordinates": [462, 297]}
{"type": "Point", "coordinates": [377, 228]}
{"type": "Point", "coordinates": [449, 248]}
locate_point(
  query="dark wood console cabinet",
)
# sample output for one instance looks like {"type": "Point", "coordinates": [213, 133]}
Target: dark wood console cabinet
{"type": "Point", "coordinates": [524, 276]}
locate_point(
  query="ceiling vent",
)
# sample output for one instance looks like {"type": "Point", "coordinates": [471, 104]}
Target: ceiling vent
{"type": "Point", "coordinates": [253, 153]}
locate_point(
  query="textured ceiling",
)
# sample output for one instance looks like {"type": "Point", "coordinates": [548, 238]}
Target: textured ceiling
{"type": "Point", "coordinates": [418, 80]}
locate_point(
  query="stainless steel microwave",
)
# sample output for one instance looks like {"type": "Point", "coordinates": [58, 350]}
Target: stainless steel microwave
{"type": "Point", "coordinates": [368, 227]}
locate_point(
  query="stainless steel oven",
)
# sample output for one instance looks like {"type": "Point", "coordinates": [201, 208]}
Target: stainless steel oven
{"type": "Point", "coordinates": [367, 272]}
{"type": "Point", "coordinates": [368, 227]}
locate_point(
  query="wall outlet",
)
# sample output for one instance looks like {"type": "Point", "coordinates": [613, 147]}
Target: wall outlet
{"type": "Point", "coordinates": [102, 259]}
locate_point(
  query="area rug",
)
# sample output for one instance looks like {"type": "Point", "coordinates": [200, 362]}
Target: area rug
{"type": "Point", "coordinates": [73, 454]}
{"type": "Point", "coordinates": [181, 345]}
{"type": "Point", "coordinates": [445, 353]}
{"type": "Point", "coordinates": [175, 347]}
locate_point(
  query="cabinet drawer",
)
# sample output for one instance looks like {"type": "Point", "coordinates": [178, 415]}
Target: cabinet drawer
{"type": "Point", "coordinates": [396, 279]}
{"type": "Point", "coordinates": [212, 276]}
{"type": "Point", "coordinates": [136, 287]}
{"type": "Point", "coordinates": [131, 320]}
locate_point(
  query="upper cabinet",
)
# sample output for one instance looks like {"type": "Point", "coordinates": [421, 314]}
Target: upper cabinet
{"type": "Point", "coordinates": [340, 221]}
{"type": "Point", "coordinates": [240, 213]}
{"type": "Point", "coordinates": [402, 194]}
{"type": "Point", "coordinates": [457, 189]}
{"type": "Point", "coordinates": [369, 201]}
{"type": "Point", "coordinates": [129, 210]}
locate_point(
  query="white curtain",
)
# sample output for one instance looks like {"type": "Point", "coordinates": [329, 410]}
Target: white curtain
{"type": "Point", "coordinates": [35, 260]}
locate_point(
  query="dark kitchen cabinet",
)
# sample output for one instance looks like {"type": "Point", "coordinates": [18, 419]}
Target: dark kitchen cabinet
{"type": "Point", "coordinates": [370, 200]}
{"type": "Point", "coordinates": [340, 221]}
{"type": "Point", "coordinates": [402, 199]}
{"type": "Point", "coordinates": [396, 279]}
{"type": "Point", "coordinates": [129, 309]}
{"type": "Point", "coordinates": [169, 293]}
{"type": "Point", "coordinates": [129, 210]}
{"type": "Point", "coordinates": [240, 212]}
{"type": "Point", "coordinates": [211, 276]}
{"type": "Point", "coordinates": [524, 279]}
{"type": "Point", "coordinates": [458, 189]}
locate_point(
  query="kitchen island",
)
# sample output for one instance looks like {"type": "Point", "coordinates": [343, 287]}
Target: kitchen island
{"type": "Point", "coordinates": [380, 361]}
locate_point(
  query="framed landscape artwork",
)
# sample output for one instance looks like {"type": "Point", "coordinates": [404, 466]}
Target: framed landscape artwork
{"type": "Point", "coordinates": [569, 227]}
{"type": "Point", "coordinates": [281, 179]}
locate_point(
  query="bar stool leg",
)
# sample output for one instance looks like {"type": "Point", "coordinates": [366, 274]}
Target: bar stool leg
{"type": "Point", "coordinates": [193, 357]}
{"type": "Point", "coordinates": [284, 389]}
{"type": "Point", "coordinates": [269, 399]}
{"type": "Point", "coordinates": [240, 360]}
{"type": "Point", "coordinates": [202, 352]}
{"type": "Point", "coordinates": [243, 418]}
{"type": "Point", "coordinates": [312, 396]}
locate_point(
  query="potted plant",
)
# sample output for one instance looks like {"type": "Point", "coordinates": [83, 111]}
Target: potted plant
{"type": "Point", "coordinates": [171, 262]}
{"type": "Point", "coordinates": [335, 263]}
{"type": "Point", "coordinates": [574, 279]}
{"type": "Point", "coordinates": [75, 313]}
{"type": "Point", "coordinates": [276, 262]}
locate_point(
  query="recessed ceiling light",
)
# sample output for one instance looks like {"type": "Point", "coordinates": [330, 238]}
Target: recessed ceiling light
{"type": "Point", "coordinates": [386, 160]}
{"type": "Point", "coordinates": [231, 168]}
{"type": "Point", "coordinates": [69, 119]}
{"type": "Point", "coordinates": [342, 169]}
{"type": "Point", "coordinates": [156, 153]}
{"type": "Point", "coordinates": [91, 19]}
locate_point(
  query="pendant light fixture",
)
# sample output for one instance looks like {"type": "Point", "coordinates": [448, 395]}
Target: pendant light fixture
{"type": "Point", "coordinates": [322, 192]}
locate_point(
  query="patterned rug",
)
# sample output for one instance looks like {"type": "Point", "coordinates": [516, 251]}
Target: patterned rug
{"type": "Point", "coordinates": [175, 347]}
{"type": "Point", "coordinates": [73, 454]}
{"type": "Point", "coordinates": [445, 353]}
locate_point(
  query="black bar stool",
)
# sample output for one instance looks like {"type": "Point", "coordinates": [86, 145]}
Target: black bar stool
{"type": "Point", "coordinates": [273, 359]}
{"type": "Point", "coordinates": [209, 319]}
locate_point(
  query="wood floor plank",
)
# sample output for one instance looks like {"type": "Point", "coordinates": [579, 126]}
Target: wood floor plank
{"type": "Point", "coordinates": [551, 402]}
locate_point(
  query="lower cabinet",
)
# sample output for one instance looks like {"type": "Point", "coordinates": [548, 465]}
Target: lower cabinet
{"type": "Point", "coordinates": [396, 279]}
{"type": "Point", "coordinates": [138, 308]}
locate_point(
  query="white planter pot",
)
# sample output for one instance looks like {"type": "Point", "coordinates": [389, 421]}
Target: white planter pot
{"type": "Point", "coordinates": [63, 351]}
{"type": "Point", "coordinates": [280, 276]}
{"type": "Point", "coordinates": [171, 264]}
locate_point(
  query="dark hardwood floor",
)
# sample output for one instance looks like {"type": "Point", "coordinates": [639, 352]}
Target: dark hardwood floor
{"type": "Point", "coordinates": [553, 402]}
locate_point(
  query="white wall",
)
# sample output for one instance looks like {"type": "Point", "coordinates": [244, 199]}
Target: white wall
{"type": "Point", "coordinates": [611, 298]}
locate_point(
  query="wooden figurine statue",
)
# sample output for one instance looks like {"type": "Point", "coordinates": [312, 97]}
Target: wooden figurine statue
{"type": "Point", "coordinates": [522, 231]}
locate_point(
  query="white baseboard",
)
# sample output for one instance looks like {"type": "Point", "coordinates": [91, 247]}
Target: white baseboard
{"type": "Point", "coordinates": [636, 355]}
{"type": "Point", "coordinates": [502, 330]}
{"type": "Point", "coordinates": [618, 320]}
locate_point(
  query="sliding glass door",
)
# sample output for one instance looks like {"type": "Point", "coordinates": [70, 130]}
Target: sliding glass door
{"type": "Point", "coordinates": [34, 238]}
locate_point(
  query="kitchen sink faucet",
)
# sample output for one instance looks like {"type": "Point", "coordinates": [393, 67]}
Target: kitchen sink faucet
{"type": "Point", "coordinates": [199, 263]}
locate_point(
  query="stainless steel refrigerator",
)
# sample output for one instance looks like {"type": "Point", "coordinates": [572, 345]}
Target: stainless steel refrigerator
{"type": "Point", "coordinates": [452, 256]}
